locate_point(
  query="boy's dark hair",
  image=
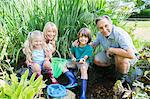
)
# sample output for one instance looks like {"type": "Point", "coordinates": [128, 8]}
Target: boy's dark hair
{"type": "Point", "coordinates": [85, 32]}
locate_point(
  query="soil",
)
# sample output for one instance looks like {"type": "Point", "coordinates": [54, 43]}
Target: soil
{"type": "Point", "coordinates": [100, 83]}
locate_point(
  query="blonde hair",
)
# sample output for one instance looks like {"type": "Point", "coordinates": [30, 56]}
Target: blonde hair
{"type": "Point", "coordinates": [28, 47]}
{"type": "Point", "coordinates": [54, 28]}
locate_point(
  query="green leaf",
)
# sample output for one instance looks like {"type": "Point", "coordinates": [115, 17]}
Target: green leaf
{"type": "Point", "coordinates": [14, 79]}
{"type": "Point", "coordinates": [7, 90]}
{"type": "Point", "coordinates": [24, 77]}
{"type": "Point", "coordinates": [29, 92]}
{"type": "Point", "coordinates": [33, 77]}
{"type": "Point", "coordinates": [17, 92]}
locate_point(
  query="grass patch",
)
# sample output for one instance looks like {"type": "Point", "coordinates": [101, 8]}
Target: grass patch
{"type": "Point", "coordinates": [138, 24]}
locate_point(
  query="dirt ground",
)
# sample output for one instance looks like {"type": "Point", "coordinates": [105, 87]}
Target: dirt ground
{"type": "Point", "coordinates": [100, 83]}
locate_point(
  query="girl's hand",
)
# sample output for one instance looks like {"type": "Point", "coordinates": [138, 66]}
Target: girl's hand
{"type": "Point", "coordinates": [52, 42]}
{"type": "Point", "coordinates": [47, 59]}
{"type": "Point", "coordinates": [82, 61]}
{"type": "Point", "coordinates": [47, 64]}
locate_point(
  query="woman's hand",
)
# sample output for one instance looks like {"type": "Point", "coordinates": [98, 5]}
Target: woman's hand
{"type": "Point", "coordinates": [29, 62]}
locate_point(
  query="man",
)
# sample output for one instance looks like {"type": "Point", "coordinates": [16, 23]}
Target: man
{"type": "Point", "coordinates": [118, 47]}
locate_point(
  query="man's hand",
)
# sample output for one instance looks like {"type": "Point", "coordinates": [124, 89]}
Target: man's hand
{"type": "Point", "coordinates": [120, 52]}
{"type": "Point", "coordinates": [75, 43]}
{"type": "Point", "coordinates": [109, 53]}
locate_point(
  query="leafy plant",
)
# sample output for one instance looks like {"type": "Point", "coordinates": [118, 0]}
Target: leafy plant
{"type": "Point", "coordinates": [11, 88]}
{"type": "Point", "coordinates": [139, 91]}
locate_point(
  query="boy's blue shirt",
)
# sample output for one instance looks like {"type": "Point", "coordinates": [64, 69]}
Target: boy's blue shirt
{"type": "Point", "coordinates": [80, 52]}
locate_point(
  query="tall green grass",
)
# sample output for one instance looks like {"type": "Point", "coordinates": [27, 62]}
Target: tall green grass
{"type": "Point", "coordinates": [18, 17]}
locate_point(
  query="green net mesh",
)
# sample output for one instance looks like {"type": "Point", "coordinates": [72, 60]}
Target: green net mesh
{"type": "Point", "coordinates": [57, 66]}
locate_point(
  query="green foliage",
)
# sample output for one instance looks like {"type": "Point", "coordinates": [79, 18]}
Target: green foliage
{"type": "Point", "coordinates": [11, 88]}
{"type": "Point", "coordinates": [144, 6]}
{"type": "Point", "coordinates": [119, 10]}
{"type": "Point", "coordinates": [129, 29]}
{"type": "Point", "coordinates": [144, 13]}
{"type": "Point", "coordinates": [18, 17]}
{"type": "Point", "coordinates": [144, 60]}
{"type": "Point", "coordinates": [139, 91]}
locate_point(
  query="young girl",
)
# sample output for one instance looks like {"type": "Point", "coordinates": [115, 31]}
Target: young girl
{"type": "Point", "coordinates": [50, 34]}
{"type": "Point", "coordinates": [37, 54]}
{"type": "Point", "coordinates": [81, 57]}
{"type": "Point", "coordinates": [58, 64]}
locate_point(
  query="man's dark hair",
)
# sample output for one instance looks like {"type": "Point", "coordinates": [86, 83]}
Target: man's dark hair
{"type": "Point", "coordinates": [102, 17]}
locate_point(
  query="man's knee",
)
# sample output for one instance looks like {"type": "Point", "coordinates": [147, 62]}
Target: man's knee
{"type": "Point", "coordinates": [99, 63]}
{"type": "Point", "coordinates": [122, 64]}
{"type": "Point", "coordinates": [121, 61]}
{"type": "Point", "coordinates": [96, 61]}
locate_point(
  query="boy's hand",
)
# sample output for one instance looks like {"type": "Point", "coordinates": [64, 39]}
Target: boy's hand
{"type": "Point", "coordinates": [82, 61]}
{"type": "Point", "coordinates": [74, 59]}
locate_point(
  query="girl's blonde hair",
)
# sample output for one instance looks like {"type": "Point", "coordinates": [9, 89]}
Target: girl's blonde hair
{"type": "Point", "coordinates": [85, 32]}
{"type": "Point", "coordinates": [28, 47]}
{"type": "Point", "coordinates": [54, 28]}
